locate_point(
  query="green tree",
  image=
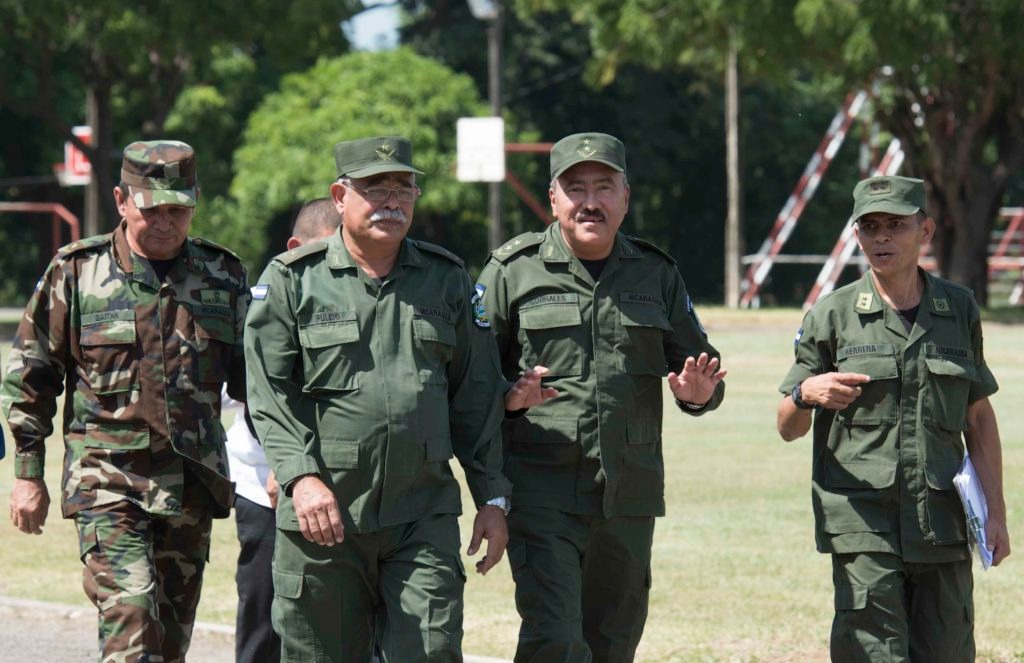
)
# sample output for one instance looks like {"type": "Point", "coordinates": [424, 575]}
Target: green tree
{"type": "Point", "coordinates": [671, 120]}
{"type": "Point", "coordinates": [286, 155]}
{"type": "Point", "coordinates": [134, 60]}
{"type": "Point", "coordinates": [952, 91]}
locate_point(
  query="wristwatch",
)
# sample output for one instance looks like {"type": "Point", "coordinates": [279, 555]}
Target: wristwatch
{"type": "Point", "coordinates": [798, 400]}
{"type": "Point", "coordinates": [503, 503]}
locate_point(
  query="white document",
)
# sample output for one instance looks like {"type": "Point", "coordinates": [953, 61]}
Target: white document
{"type": "Point", "coordinates": [968, 485]}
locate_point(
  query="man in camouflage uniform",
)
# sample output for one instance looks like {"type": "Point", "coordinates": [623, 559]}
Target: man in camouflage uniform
{"type": "Point", "coordinates": [139, 328]}
{"type": "Point", "coordinates": [608, 316]}
{"type": "Point", "coordinates": [894, 369]}
{"type": "Point", "coordinates": [366, 375]}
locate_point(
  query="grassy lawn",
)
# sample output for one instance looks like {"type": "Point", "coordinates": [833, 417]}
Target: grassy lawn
{"type": "Point", "coordinates": [736, 577]}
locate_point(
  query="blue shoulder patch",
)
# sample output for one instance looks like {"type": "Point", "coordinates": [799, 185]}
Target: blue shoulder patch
{"type": "Point", "coordinates": [259, 292]}
{"type": "Point", "coordinates": [480, 318]}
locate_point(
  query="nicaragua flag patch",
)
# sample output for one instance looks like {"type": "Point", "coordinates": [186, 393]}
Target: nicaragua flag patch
{"type": "Point", "coordinates": [799, 335]}
{"type": "Point", "coordinates": [260, 291]}
{"type": "Point", "coordinates": [480, 318]}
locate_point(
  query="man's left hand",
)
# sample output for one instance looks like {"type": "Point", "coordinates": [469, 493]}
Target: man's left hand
{"type": "Point", "coordinates": [998, 539]}
{"type": "Point", "coordinates": [697, 381]}
{"type": "Point", "coordinates": [528, 390]}
{"type": "Point", "coordinates": [489, 524]}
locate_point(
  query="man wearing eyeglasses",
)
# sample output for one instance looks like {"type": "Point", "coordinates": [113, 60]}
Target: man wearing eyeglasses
{"type": "Point", "coordinates": [367, 375]}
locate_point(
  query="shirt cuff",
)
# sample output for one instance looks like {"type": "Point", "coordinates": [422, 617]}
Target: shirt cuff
{"type": "Point", "coordinates": [28, 466]}
{"type": "Point", "coordinates": [293, 468]}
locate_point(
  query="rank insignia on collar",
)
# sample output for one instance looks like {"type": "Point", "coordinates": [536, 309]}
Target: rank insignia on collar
{"type": "Point", "coordinates": [586, 150]}
{"type": "Point", "coordinates": [480, 318]}
{"type": "Point", "coordinates": [941, 305]}
{"type": "Point", "coordinates": [385, 152]}
{"type": "Point", "coordinates": [864, 300]}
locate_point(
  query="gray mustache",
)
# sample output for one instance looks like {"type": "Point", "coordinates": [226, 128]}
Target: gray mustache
{"type": "Point", "coordinates": [388, 215]}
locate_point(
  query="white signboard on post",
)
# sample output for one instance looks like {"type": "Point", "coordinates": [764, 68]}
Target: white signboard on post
{"type": "Point", "coordinates": [480, 144]}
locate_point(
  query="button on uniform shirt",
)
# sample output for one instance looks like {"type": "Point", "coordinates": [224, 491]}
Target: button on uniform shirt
{"type": "Point", "coordinates": [141, 363]}
{"type": "Point", "coordinates": [608, 345]}
{"type": "Point", "coordinates": [373, 385]}
{"type": "Point", "coordinates": [883, 468]}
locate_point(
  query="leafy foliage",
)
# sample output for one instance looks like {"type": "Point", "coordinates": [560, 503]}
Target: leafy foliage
{"type": "Point", "coordinates": [286, 155]}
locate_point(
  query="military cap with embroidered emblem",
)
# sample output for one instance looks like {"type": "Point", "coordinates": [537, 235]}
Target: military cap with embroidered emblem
{"type": "Point", "coordinates": [371, 156]}
{"type": "Point", "coordinates": [890, 194]}
{"type": "Point", "coordinates": [578, 148]}
{"type": "Point", "coordinates": [160, 172]}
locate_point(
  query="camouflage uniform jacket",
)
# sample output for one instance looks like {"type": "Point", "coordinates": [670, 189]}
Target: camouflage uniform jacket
{"type": "Point", "coordinates": [142, 364]}
{"type": "Point", "coordinates": [607, 345]}
{"type": "Point", "coordinates": [374, 386]}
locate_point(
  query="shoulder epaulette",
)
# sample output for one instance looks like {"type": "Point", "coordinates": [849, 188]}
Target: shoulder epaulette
{"type": "Point", "coordinates": [653, 247]}
{"type": "Point", "coordinates": [439, 250]}
{"type": "Point", "coordinates": [300, 252]}
{"type": "Point", "coordinates": [82, 244]}
{"type": "Point", "coordinates": [199, 241]}
{"type": "Point", "coordinates": [517, 245]}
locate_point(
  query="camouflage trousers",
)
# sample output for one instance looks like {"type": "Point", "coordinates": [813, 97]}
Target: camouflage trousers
{"type": "Point", "coordinates": [143, 573]}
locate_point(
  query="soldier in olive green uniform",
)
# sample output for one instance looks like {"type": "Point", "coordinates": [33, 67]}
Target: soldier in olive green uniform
{"type": "Point", "coordinates": [140, 329]}
{"type": "Point", "coordinates": [608, 316]}
{"type": "Point", "coordinates": [894, 368]}
{"type": "Point", "coordinates": [366, 375]}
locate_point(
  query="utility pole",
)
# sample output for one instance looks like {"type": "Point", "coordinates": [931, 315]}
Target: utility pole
{"type": "Point", "coordinates": [495, 235]}
{"type": "Point", "coordinates": [733, 239]}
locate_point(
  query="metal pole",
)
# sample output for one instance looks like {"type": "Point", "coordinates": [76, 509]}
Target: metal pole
{"type": "Point", "coordinates": [733, 237]}
{"type": "Point", "coordinates": [495, 236]}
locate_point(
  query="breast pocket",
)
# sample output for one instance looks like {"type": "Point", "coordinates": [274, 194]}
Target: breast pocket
{"type": "Point", "coordinates": [215, 340]}
{"type": "Point", "coordinates": [947, 390]}
{"type": "Point", "coordinates": [642, 329]}
{"type": "Point", "coordinates": [550, 335]}
{"type": "Point", "coordinates": [331, 354]}
{"type": "Point", "coordinates": [435, 343]}
{"type": "Point", "coordinates": [109, 358]}
{"type": "Point", "coordinates": [879, 398]}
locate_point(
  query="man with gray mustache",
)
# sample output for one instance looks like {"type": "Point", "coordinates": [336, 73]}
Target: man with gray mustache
{"type": "Point", "coordinates": [366, 375]}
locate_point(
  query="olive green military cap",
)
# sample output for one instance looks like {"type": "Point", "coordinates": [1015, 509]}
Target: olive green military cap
{"type": "Point", "coordinates": [890, 194]}
{"type": "Point", "coordinates": [578, 148]}
{"type": "Point", "coordinates": [160, 172]}
{"type": "Point", "coordinates": [371, 156]}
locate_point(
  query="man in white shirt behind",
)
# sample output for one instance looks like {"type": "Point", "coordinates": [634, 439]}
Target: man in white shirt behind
{"type": "Point", "coordinates": [256, 491]}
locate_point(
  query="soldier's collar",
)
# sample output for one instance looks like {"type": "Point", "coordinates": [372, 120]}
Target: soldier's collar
{"type": "Point", "coordinates": [933, 298]}
{"type": "Point", "coordinates": [554, 248]}
{"type": "Point", "coordinates": [338, 256]}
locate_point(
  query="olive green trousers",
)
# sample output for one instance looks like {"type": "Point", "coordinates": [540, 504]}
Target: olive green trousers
{"type": "Point", "coordinates": [889, 610]}
{"type": "Point", "coordinates": [399, 589]}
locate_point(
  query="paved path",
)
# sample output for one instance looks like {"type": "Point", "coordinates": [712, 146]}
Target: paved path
{"type": "Point", "coordinates": [38, 631]}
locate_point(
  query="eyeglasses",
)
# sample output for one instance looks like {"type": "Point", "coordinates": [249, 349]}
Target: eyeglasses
{"type": "Point", "coordinates": [379, 194]}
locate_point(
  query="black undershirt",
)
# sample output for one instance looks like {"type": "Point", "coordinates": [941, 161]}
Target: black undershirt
{"type": "Point", "coordinates": [908, 316]}
{"type": "Point", "coordinates": [162, 267]}
{"type": "Point", "coordinates": [594, 267]}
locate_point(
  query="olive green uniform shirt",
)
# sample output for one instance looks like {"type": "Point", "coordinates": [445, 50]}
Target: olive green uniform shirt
{"type": "Point", "coordinates": [373, 385]}
{"type": "Point", "coordinates": [141, 362]}
{"type": "Point", "coordinates": [883, 467]}
{"type": "Point", "coordinates": [607, 345]}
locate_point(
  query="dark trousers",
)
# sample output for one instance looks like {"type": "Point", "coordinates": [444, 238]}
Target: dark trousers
{"type": "Point", "coordinates": [582, 584]}
{"type": "Point", "coordinates": [255, 640]}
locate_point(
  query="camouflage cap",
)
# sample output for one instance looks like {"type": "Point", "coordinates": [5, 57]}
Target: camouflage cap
{"type": "Point", "coordinates": [160, 172]}
{"type": "Point", "coordinates": [577, 148]}
{"type": "Point", "coordinates": [371, 156]}
{"type": "Point", "coordinates": [890, 194]}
